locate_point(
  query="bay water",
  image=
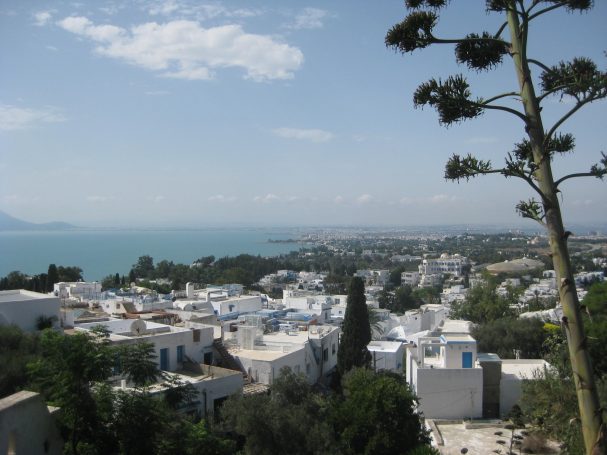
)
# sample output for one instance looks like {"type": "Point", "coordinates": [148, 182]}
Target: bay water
{"type": "Point", "coordinates": [103, 252]}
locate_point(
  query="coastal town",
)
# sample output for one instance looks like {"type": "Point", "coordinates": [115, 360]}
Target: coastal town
{"type": "Point", "coordinates": [232, 338]}
{"type": "Point", "coordinates": [262, 227]}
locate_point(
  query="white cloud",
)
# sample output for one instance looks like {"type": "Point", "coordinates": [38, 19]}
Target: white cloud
{"type": "Point", "coordinates": [309, 18]}
{"type": "Point", "coordinates": [313, 135]}
{"type": "Point", "coordinates": [41, 18]}
{"type": "Point", "coordinates": [158, 198]}
{"type": "Point", "coordinates": [441, 198]}
{"type": "Point", "coordinates": [200, 11]}
{"type": "Point", "coordinates": [98, 198]}
{"type": "Point", "coordinates": [435, 199]}
{"type": "Point", "coordinates": [266, 199]}
{"type": "Point", "coordinates": [184, 49]}
{"type": "Point", "coordinates": [157, 92]}
{"type": "Point", "coordinates": [111, 9]}
{"type": "Point", "coordinates": [19, 118]}
{"type": "Point", "coordinates": [51, 48]}
{"type": "Point", "coordinates": [338, 199]}
{"type": "Point", "coordinates": [222, 198]}
{"type": "Point", "coordinates": [164, 8]}
{"type": "Point", "coordinates": [364, 198]}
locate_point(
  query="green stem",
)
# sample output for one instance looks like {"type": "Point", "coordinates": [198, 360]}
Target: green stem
{"type": "Point", "coordinates": [588, 401]}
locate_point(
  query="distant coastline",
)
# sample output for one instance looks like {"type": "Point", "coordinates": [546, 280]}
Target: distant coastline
{"type": "Point", "coordinates": [10, 223]}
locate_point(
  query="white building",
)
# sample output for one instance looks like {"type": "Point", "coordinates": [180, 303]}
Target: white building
{"type": "Point", "coordinates": [243, 304]}
{"type": "Point", "coordinates": [410, 278]}
{"type": "Point", "coordinates": [453, 294]}
{"type": "Point", "coordinates": [443, 373]}
{"type": "Point", "coordinates": [28, 425]}
{"type": "Point", "coordinates": [503, 381]}
{"type": "Point", "coordinates": [213, 385]}
{"type": "Point", "coordinates": [430, 280]}
{"type": "Point", "coordinates": [320, 305]}
{"type": "Point", "coordinates": [428, 317]}
{"type": "Point", "coordinates": [172, 345]}
{"type": "Point", "coordinates": [387, 355]}
{"type": "Point", "coordinates": [453, 381]}
{"type": "Point", "coordinates": [374, 277]}
{"type": "Point", "coordinates": [77, 290]}
{"type": "Point", "coordinates": [312, 353]}
{"type": "Point", "coordinates": [454, 265]}
{"type": "Point", "coordinates": [23, 309]}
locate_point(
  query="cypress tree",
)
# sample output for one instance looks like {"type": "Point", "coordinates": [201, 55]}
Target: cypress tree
{"type": "Point", "coordinates": [52, 277]}
{"type": "Point", "coordinates": [356, 331]}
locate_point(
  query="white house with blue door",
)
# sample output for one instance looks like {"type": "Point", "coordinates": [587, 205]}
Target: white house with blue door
{"type": "Point", "coordinates": [172, 345]}
{"type": "Point", "coordinates": [443, 372]}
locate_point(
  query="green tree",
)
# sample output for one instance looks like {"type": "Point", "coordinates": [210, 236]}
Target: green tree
{"type": "Point", "coordinates": [69, 273]}
{"type": "Point", "coordinates": [531, 160]}
{"type": "Point", "coordinates": [52, 277]}
{"type": "Point", "coordinates": [549, 401]}
{"type": "Point", "coordinates": [138, 364]}
{"type": "Point", "coordinates": [595, 321]}
{"type": "Point", "coordinates": [271, 424]}
{"type": "Point", "coordinates": [507, 336]}
{"type": "Point", "coordinates": [482, 304]}
{"type": "Point", "coordinates": [64, 373]}
{"type": "Point", "coordinates": [377, 415]}
{"type": "Point", "coordinates": [107, 282]}
{"type": "Point", "coordinates": [17, 349]}
{"type": "Point", "coordinates": [356, 331]}
{"type": "Point", "coordinates": [395, 276]}
{"type": "Point", "coordinates": [144, 267]}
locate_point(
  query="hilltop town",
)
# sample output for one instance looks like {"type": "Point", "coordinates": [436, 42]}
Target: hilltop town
{"type": "Point", "coordinates": [431, 301]}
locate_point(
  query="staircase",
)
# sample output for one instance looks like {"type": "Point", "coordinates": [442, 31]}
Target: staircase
{"type": "Point", "coordinates": [227, 360]}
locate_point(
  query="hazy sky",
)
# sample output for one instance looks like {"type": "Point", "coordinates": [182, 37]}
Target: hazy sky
{"type": "Point", "coordinates": [191, 113]}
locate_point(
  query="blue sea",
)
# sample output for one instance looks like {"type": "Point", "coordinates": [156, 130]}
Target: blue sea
{"type": "Point", "coordinates": [104, 252]}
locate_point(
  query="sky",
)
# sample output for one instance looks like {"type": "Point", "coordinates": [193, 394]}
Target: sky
{"type": "Point", "coordinates": [286, 113]}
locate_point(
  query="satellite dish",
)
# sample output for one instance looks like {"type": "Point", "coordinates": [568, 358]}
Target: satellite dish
{"type": "Point", "coordinates": [138, 327]}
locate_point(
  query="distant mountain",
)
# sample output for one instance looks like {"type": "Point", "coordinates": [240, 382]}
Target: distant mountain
{"type": "Point", "coordinates": [10, 223]}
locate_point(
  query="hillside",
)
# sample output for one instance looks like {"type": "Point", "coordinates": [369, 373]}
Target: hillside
{"type": "Point", "coordinates": [10, 223]}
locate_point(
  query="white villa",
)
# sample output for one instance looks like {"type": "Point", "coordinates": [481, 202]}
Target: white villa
{"type": "Point", "coordinates": [23, 308]}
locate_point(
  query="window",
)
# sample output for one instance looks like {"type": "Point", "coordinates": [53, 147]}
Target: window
{"type": "Point", "coordinates": [325, 354]}
{"type": "Point", "coordinates": [333, 349]}
{"type": "Point", "coordinates": [180, 352]}
{"type": "Point", "coordinates": [196, 335]}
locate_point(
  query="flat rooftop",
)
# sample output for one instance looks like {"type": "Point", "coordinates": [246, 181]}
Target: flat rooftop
{"type": "Point", "coordinates": [384, 346]}
{"type": "Point", "coordinates": [459, 338]}
{"type": "Point", "coordinates": [523, 368]}
{"type": "Point", "coordinates": [456, 326]}
{"type": "Point", "coordinates": [122, 329]}
{"type": "Point", "coordinates": [259, 354]}
{"type": "Point", "coordinates": [21, 295]}
{"type": "Point", "coordinates": [479, 438]}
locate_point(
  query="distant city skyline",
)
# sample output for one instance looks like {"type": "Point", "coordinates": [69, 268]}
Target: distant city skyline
{"type": "Point", "coordinates": [187, 113]}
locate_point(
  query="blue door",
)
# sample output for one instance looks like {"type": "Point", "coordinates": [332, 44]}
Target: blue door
{"type": "Point", "coordinates": [164, 359]}
{"type": "Point", "coordinates": [466, 360]}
